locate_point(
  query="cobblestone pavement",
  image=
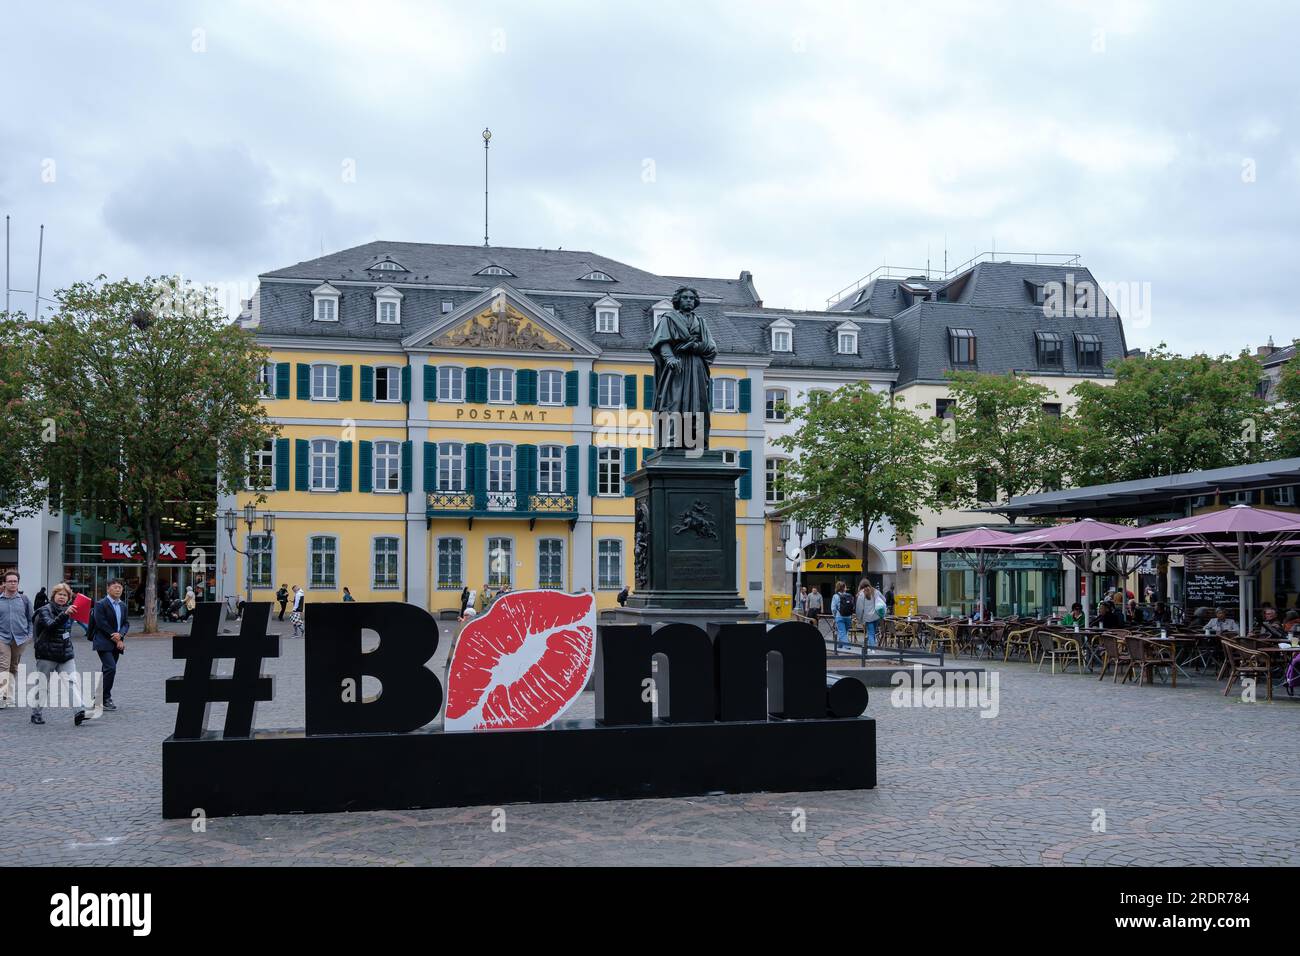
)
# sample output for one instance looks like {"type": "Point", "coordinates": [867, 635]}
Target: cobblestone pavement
{"type": "Point", "coordinates": [1183, 776]}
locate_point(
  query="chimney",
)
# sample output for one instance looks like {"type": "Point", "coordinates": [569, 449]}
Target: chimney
{"type": "Point", "coordinates": [747, 280]}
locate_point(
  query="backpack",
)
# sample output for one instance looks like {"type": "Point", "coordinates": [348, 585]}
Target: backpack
{"type": "Point", "coordinates": [844, 601]}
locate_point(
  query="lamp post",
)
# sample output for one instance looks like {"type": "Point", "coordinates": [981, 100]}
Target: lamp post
{"type": "Point", "coordinates": [800, 529]}
{"type": "Point", "coordinates": [230, 519]}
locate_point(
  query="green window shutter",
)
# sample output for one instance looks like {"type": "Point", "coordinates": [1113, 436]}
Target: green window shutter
{"type": "Point", "coordinates": [593, 389]}
{"type": "Point", "coordinates": [282, 457]}
{"type": "Point", "coordinates": [367, 383]}
{"type": "Point", "coordinates": [525, 473]}
{"type": "Point", "coordinates": [365, 466]}
{"type": "Point", "coordinates": [629, 391]}
{"type": "Point", "coordinates": [304, 382]}
{"type": "Point", "coordinates": [592, 454]}
{"type": "Point", "coordinates": [648, 391]}
{"type": "Point", "coordinates": [282, 370]}
{"type": "Point", "coordinates": [406, 466]}
{"type": "Point", "coordinates": [629, 466]}
{"type": "Point", "coordinates": [345, 466]}
{"type": "Point", "coordinates": [345, 383]}
{"type": "Point", "coordinates": [406, 383]}
{"type": "Point", "coordinates": [526, 386]}
{"type": "Point", "coordinates": [431, 383]}
{"type": "Point", "coordinates": [571, 470]}
{"type": "Point", "coordinates": [745, 386]}
{"type": "Point", "coordinates": [430, 465]}
{"type": "Point", "coordinates": [571, 389]}
{"type": "Point", "coordinates": [745, 487]}
{"type": "Point", "coordinates": [301, 463]}
{"type": "Point", "coordinates": [476, 461]}
{"type": "Point", "coordinates": [476, 385]}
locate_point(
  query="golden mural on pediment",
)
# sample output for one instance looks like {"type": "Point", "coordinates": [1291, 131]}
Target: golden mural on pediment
{"type": "Point", "coordinates": [501, 328]}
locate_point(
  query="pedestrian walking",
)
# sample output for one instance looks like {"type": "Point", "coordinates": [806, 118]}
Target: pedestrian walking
{"type": "Point", "coordinates": [282, 596]}
{"type": "Point", "coordinates": [16, 614]}
{"type": "Point", "coordinates": [466, 598]}
{"type": "Point", "coordinates": [801, 601]}
{"type": "Point", "coordinates": [109, 626]}
{"type": "Point", "coordinates": [190, 603]}
{"type": "Point", "coordinates": [347, 595]}
{"type": "Point", "coordinates": [870, 608]}
{"type": "Point", "coordinates": [295, 616]}
{"type": "Point", "coordinates": [40, 600]}
{"type": "Point", "coordinates": [55, 656]}
{"type": "Point", "coordinates": [842, 608]}
{"type": "Point", "coordinates": [814, 602]}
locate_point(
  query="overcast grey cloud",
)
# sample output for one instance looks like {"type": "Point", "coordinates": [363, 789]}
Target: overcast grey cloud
{"type": "Point", "coordinates": [807, 142]}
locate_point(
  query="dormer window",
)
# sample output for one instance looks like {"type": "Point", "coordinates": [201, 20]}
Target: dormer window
{"type": "Point", "coordinates": [388, 306]}
{"type": "Point", "coordinates": [495, 270]}
{"type": "Point", "coordinates": [782, 336]}
{"type": "Point", "coordinates": [1088, 350]}
{"type": "Point", "coordinates": [846, 339]}
{"type": "Point", "coordinates": [961, 347]}
{"type": "Point", "coordinates": [1037, 292]}
{"type": "Point", "coordinates": [386, 265]}
{"type": "Point", "coordinates": [660, 308]}
{"type": "Point", "coordinates": [325, 303]}
{"type": "Point", "coordinates": [607, 314]}
{"type": "Point", "coordinates": [597, 276]}
{"type": "Point", "coordinates": [1049, 349]}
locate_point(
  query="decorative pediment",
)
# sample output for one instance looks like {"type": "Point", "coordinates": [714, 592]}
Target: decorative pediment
{"type": "Point", "coordinates": [501, 326]}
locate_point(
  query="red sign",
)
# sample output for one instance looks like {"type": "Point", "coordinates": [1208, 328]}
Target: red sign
{"type": "Point", "coordinates": [80, 609]}
{"type": "Point", "coordinates": [130, 551]}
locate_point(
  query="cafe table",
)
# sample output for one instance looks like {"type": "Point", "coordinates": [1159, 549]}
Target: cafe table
{"type": "Point", "coordinates": [1177, 643]}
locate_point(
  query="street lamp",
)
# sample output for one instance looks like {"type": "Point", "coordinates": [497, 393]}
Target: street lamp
{"type": "Point", "coordinates": [800, 529]}
{"type": "Point", "coordinates": [230, 519]}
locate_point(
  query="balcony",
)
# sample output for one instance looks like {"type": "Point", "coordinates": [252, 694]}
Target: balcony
{"type": "Point", "coordinates": [500, 504]}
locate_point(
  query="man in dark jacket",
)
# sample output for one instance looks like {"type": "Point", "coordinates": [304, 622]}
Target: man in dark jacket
{"type": "Point", "coordinates": [108, 627]}
{"type": "Point", "coordinates": [282, 596]}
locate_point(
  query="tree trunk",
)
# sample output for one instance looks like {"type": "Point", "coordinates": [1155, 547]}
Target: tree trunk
{"type": "Point", "coordinates": [152, 533]}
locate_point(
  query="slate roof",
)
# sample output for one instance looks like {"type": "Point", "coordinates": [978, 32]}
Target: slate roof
{"type": "Point", "coordinates": [1004, 337]}
{"type": "Point", "coordinates": [456, 266]}
{"type": "Point", "coordinates": [815, 340]}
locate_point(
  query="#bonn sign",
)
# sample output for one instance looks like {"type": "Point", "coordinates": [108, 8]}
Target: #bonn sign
{"type": "Point", "coordinates": [740, 708]}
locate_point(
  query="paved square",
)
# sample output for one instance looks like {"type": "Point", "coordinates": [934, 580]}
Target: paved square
{"type": "Point", "coordinates": [1183, 776]}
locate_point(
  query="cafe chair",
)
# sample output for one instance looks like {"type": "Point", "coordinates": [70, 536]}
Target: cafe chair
{"type": "Point", "coordinates": [1053, 646]}
{"type": "Point", "coordinates": [1148, 658]}
{"type": "Point", "coordinates": [1019, 640]}
{"type": "Point", "coordinates": [1114, 654]}
{"type": "Point", "coordinates": [1242, 661]}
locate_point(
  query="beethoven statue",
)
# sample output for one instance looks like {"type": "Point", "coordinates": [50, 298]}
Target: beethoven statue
{"type": "Point", "coordinates": [683, 350]}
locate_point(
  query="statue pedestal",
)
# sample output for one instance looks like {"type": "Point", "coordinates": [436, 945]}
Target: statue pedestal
{"type": "Point", "coordinates": [684, 551]}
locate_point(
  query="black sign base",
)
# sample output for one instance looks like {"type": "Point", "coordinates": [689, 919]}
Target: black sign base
{"type": "Point", "coordinates": [287, 772]}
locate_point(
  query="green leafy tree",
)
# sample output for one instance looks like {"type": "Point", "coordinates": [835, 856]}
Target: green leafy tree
{"type": "Point", "coordinates": [1167, 413]}
{"type": "Point", "coordinates": [1286, 434]}
{"type": "Point", "coordinates": [998, 441]}
{"type": "Point", "coordinates": [154, 397]}
{"type": "Point", "coordinates": [858, 457]}
{"type": "Point", "coordinates": [20, 490]}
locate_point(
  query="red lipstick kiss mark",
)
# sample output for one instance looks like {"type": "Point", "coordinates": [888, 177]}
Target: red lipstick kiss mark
{"type": "Point", "coordinates": [523, 663]}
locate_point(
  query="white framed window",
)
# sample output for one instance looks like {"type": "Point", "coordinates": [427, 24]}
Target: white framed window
{"type": "Point", "coordinates": [609, 471]}
{"type": "Point", "coordinates": [494, 271]}
{"type": "Point", "coordinates": [386, 551]}
{"type": "Point", "coordinates": [388, 466]}
{"type": "Point", "coordinates": [388, 265]}
{"type": "Point", "coordinates": [501, 562]}
{"type": "Point", "coordinates": [388, 383]}
{"type": "Point", "coordinates": [451, 564]}
{"type": "Point", "coordinates": [388, 306]}
{"type": "Point", "coordinates": [266, 379]}
{"type": "Point", "coordinates": [776, 403]}
{"type": "Point", "coordinates": [773, 472]}
{"type": "Point", "coordinates": [607, 320]}
{"type": "Point", "coordinates": [660, 308]}
{"type": "Point", "coordinates": [501, 467]}
{"type": "Point", "coordinates": [324, 552]}
{"type": "Point", "coordinates": [724, 394]}
{"type": "Point", "coordinates": [609, 564]}
{"type": "Point", "coordinates": [325, 303]}
{"type": "Point", "coordinates": [260, 556]}
{"type": "Point", "coordinates": [848, 342]}
{"type": "Point", "coordinates": [447, 306]}
{"type": "Point", "coordinates": [261, 469]}
{"type": "Point", "coordinates": [550, 563]}
{"type": "Point", "coordinates": [550, 387]}
{"type": "Point", "coordinates": [597, 276]}
{"type": "Point", "coordinates": [324, 465]}
{"type": "Point", "coordinates": [451, 383]}
{"type": "Point", "coordinates": [609, 390]}
{"type": "Point", "coordinates": [550, 470]}
{"type": "Point", "coordinates": [451, 466]}
{"type": "Point", "coordinates": [782, 340]}
{"type": "Point", "coordinates": [1283, 497]}
{"type": "Point", "coordinates": [324, 383]}
{"type": "Point", "coordinates": [1241, 498]}
{"type": "Point", "coordinates": [501, 386]}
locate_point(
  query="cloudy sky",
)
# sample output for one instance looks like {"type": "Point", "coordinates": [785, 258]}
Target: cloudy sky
{"type": "Point", "coordinates": [806, 142]}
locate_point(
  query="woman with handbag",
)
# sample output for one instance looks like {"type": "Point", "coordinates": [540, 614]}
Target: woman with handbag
{"type": "Point", "coordinates": [870, 609]}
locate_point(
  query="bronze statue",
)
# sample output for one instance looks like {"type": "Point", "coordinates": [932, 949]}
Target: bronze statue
{"type": "Point", "coordinates": [683, 350]}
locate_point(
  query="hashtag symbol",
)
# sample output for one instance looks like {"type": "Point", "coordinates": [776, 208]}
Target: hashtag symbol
{"type": "Point", "coordinates": [197, 689]}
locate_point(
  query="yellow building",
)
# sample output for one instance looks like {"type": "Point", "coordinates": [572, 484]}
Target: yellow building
{"type": "Point", "coordinates": [459, 416]}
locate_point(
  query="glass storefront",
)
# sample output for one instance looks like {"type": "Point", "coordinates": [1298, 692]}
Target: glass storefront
{"type": "Point", "coordinates": [1023, 584]}
{"type": "Point", "coordinates": [88, 570]}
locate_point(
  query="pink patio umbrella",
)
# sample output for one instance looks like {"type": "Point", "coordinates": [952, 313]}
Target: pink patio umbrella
{"type": "Point", "coordinates": [971, 547]}
{"type": "Point", "coordinates": [1242, 537]}
{"type": "Point", "coordinates": [1074, 541]}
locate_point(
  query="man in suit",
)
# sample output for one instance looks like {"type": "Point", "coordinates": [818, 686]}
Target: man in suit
{"type": "Point", "coordinates": [108, 627]}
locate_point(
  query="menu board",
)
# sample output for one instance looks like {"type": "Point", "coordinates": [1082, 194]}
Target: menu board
{"type": "Point", "coordinates": [1206, 589]}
